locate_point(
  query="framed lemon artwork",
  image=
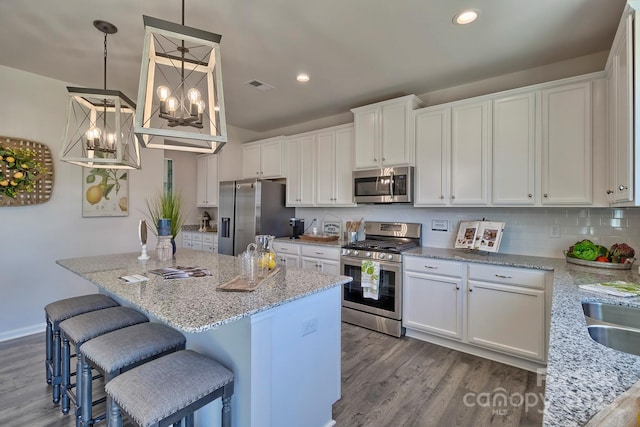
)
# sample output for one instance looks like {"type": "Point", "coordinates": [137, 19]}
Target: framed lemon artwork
{"type": "Point", "coordinates": [105, 192]}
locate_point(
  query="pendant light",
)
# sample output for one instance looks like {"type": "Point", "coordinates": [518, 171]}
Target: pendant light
{"type": "Point", "coordinates": [180, 92]}
{"type": "Point", "coordinates": [99, 130]}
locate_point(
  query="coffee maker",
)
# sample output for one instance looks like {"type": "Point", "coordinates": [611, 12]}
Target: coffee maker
{"type": "Point", "coordinates": [298, 227]}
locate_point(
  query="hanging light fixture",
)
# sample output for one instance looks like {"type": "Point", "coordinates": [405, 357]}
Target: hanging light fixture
{"type": "Point", "coordinates": [99, 130]}
{"type": "Point", "coordinates": [180, 92]}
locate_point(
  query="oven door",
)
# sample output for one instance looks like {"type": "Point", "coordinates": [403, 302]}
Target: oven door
{"type": "Point", "coordinates": [390, 289]}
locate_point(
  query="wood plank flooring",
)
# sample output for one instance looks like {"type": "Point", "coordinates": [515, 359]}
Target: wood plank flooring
{"type": "Point", "coordinates": [386, 381]}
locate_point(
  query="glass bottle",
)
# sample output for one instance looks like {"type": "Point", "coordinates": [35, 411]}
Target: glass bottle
{"type": "Point", "coordinates": [164, 248]}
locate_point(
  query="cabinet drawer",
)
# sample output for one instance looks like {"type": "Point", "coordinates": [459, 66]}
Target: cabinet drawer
{"type": "Point", "coordinates": [196, 246]}
{"type": "Point", "coordinates": [208, 247]}
{"type": "Point", "coordinates": [208, 238]}
{"type": "Point", "coordinates": [187, 236]}
{"type": "Point", "coordinates": [286, 248]}
{"type": "Point", "coordinates": [196, 237]}
{"type": "Point", "coordinates": [318, 251]}
{"type": "Point", "coordinates": [511, 276]}
{"type": "Point", "coordinates": [433, 266]}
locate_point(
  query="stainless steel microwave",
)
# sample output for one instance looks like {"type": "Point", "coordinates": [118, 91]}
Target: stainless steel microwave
{"type": "Point", "coordinates": [383, 185]}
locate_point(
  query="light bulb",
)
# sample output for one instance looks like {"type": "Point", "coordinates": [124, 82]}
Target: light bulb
{"type": "Point", "coordinates": [172, 103]}
{"type": "Point", "coordinates": [163, 93]}
{"type": "Point", "coordinates": [194, 95]}
{"type": "Point", "coordinates": [201, 105]}
{"type": "Point", "coordinates": [111, 140]}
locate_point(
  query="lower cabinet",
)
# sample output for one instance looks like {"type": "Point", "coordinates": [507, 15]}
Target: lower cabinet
{"type": "Point", "coordinates": [287, 254]}
{"type": "Point", "coordinates": [321, 258]}
{"type": "Point", "coordinates": [199, 241]}
{"type": "Point", "coordinates": [501, 313]}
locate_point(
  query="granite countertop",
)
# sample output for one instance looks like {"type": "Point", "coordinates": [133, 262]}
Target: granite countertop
{"type": "Point", "coordinates": [193, 304]}
{"type": "Point", "coordinates": [196, 228]}
{"type": "Point", "coordinates": [583, 377]}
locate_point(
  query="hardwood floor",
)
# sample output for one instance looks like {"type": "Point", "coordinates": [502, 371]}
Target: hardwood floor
{"type": "Point", "coordinates": [386, 381]}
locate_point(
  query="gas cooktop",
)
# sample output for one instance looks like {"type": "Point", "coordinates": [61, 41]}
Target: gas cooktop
{"type": "Point", "coordinates": [385, 241]}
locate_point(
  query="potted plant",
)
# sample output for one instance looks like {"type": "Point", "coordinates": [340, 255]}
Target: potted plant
{"type": "Point", "coordinates": [166, 204]}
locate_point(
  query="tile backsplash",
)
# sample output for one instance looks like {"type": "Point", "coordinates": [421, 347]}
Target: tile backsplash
{"type": "Point", "coordinates": [527, 230]}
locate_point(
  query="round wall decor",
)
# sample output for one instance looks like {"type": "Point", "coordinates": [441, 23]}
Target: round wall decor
{"type": "Point", "coordinates": [26, 172]}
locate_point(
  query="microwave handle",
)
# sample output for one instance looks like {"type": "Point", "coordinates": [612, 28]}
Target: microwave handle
{"type": "Point", "coordinates": [391, 184]}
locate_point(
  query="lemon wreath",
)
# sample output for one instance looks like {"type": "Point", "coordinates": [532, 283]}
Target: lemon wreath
{"type": "Point", "coordinates": [18, 170]}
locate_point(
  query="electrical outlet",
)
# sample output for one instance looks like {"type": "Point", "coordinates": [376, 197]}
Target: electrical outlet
{"type": "Point", "coordinates": [554, 231]}
{"type": "Point", "coordinates": [309, 326]}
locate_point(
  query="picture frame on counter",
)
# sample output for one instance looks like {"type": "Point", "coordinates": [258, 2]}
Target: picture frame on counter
{"type": "Point", "coordinates": [480, 235]}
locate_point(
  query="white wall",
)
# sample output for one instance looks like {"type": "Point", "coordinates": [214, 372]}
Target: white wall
{"type": "Point", "coordinates": [34, 237]}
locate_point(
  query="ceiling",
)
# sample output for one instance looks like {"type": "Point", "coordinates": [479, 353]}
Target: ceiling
{"type": "Point", "coordinates": [355, 51]}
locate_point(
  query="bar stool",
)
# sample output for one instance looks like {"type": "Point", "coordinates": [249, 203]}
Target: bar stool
{"type": "Point", "coordinates": [116, 352]}
{"type": "Point", "coordinates": [79, 329]}
{"type": "Point", "coordinates": [168, 389]}
{"type": "Point", "coordinates": [55, 313]}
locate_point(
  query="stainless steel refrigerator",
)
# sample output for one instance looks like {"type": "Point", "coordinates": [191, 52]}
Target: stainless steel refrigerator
{"type": "Point", "coordinates": [250, 207]}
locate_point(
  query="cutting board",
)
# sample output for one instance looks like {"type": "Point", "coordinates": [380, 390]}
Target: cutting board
{"type": "Point", "coordinates": [239, 283]}
{"type": "Point", "coordinates": [318, 237]}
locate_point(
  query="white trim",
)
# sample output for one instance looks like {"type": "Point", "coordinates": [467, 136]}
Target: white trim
{"type": "Point", "coordinates": [23, 332]}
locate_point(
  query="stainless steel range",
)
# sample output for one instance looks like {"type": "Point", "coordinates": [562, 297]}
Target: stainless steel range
{"type": "Point", "coordinates": [383, 244]}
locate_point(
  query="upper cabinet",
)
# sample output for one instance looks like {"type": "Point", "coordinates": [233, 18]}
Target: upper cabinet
{"type": "Point", "coordinates": [263, 159]}
{"type": "Point", "coordinates": [384, 133]}
{"type": "Point", "coordinates": [620, 86]}
{"type": "Point", "coordinates": [334, 164]}
{"type": "Point", "coordinates": [567, 145]}
{"type": "Point", "coordinates": [207, 180]}
{"type": "Point", "coordinates": [301, 154]}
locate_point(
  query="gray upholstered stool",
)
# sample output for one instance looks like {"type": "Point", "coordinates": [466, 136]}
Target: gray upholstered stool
{"type": "Point", "coordinates": [168, 389]}
{"type": "Point", "coordinates": [118, 351]}
{"type": "Point", "coordinates": [79, 329]}
{"type": "Point", "coordinates": [55, 313]}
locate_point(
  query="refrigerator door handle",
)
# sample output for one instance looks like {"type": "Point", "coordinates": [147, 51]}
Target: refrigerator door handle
{"type": "Point", "coordinates": [224, 230]}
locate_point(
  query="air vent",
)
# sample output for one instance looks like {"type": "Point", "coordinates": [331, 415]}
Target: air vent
{"type": "Point", "coordinates": [259, 85]}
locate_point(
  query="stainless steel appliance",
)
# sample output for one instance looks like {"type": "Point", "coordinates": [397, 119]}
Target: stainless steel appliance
{"type": "Point", "coordinates": [384, 242]}
{"type": "Point", "coordinates": [298, 227]}
{"type": "Point", "coordinates": [247, 208]}
{"type": "Point", "coordinates": [384, 185]}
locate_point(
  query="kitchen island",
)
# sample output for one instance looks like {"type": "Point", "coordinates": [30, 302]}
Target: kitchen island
{"type": "Point", "coordinates": [282, 341]}
{"type": "Point", "coordinates": [582, 377]}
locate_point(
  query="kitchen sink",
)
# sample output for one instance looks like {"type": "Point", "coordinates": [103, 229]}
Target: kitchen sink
{"type": "Point", "coordinates": [614, 315]}
{"type": "Point", "coordinates": [626, 340]}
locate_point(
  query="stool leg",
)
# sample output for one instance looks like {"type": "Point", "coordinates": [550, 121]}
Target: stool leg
{"type": "Point", "coordinates": [188, 420]}
{"type": "Point", "coordinates": [83, 391]}
{"type": "Point", "coordinates": [56, 367]}
{"type": "Point", "coordinates": [79, 384]}
{"type": "Point", "coordinates": [114, 416]}
{"type": "Point", "coordinates": [66, 374]}
{"type": "Point", "coordinates": [226, 405]}
{"type": "Point", "coordinates": [49, 343]}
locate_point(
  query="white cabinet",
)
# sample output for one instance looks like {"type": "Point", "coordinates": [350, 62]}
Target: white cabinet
{"type": "Point", "coordinates": [186, 239]}
{"type": "Point", "coordinates": [288, 254]}
{"type": "Point", "coordinates": [325, 259]}
{"type": "Point", "coordinates": [452, 154]}
{"type": "Point", "coordinates": [263, 159]}
{"type": "Point", "coordinates": [566, 175]}
{"type": "Point", "coordinates": [513, 148]}
{"type": "Point", "coordinates": [334, 165]}
{"type": "Point", "coordinates": [432, 300]}
{"type": "Point", "coordinates": [207, 181]}
{"type": "Point", "coordinates": [506, 310]}
{"type": "Point", "coordinates": [620, 75]}
{"type": "Point", "coordinates": [384, 133]}
{"type": "Point", "coordinates": [210, 242]}
{"type": "Point", "coordinates": [493, 311]}
{"type": "Point", "coordinates": [470, 131]}
{"type": "Point", "coordinates": [199, 241]}
{"type": "Point", "coordinates": [301, 171]}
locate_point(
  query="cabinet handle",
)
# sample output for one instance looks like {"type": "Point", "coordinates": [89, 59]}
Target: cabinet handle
{"type": "Point", "coordinates": [375, 160]}
{"type": "Point", "coordinates": [441, 196]}
{"type": "Point", "coordinates": [470, 289]}
{"type": "Point", "coordinates": [530, 195]}
{"type": "Point", "coordinates": [283, 249]}
{"type": "Point", "coordinates": [383, 159]}
{"type": "Point", "coordinates": [503, 276]}
{"type": "Point", "coordinates": [622, 187]}
{"type": "Point", "coordinates": [610, 191]}
{"type": "Point", "coordinates": [546, 195]}
{"type": "Point", "coordinates": [319, 253]}
{"type": "Point", "coordinates": [428, 266]}
{"type": "Point", "coordinates": [453, 196]}
{"type": "Point", "coordinates": [457, 288]}
{"type": "Point", "coordinates": [257, 173]}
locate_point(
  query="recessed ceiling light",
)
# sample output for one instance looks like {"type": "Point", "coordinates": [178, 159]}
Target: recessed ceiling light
{"type": "Point", "coordinates": [466, 17]}
{"type": "Point", "coordinates": [303, 78]}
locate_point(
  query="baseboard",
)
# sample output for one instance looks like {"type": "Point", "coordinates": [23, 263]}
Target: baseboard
{"type": "Point", "coordinates": [22, 332]}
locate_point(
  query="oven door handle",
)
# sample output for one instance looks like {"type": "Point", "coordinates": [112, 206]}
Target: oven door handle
{"type": "Point", "coordinates": [390, 266]}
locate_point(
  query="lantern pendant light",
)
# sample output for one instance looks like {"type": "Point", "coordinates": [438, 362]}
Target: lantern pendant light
{"type": "Point", "coordinates": [99, 130]}
{"type": "Point", "coordinates": [180, 92]}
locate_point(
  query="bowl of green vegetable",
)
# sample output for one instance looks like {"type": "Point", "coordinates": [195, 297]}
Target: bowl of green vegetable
{"type": "Point", "coordinates": [619, 256]}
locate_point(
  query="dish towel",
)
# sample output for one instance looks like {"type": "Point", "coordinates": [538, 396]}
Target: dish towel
{"type": "Point", "coordinates": [370, 279]}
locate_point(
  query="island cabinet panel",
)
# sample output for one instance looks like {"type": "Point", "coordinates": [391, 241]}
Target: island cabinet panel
{"type": "Point", "coordinates": [497, 312]}
{"type": "Point", "coordinates": [513, 180]}
{"type": "Point", "coordinates": [567, 137]}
